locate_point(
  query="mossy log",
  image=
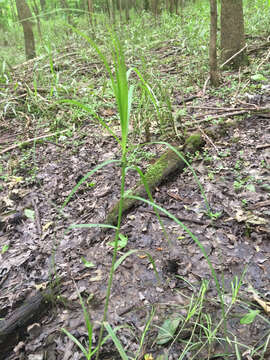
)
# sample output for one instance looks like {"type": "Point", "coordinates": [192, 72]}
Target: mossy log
{"type": "Point", "coordinates": [167, 165]}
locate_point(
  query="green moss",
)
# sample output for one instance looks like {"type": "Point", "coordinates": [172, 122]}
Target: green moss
{"type": "Point", "coordinates": [155, 172]}
{"type": "Point", "coordinates": [194, 142]}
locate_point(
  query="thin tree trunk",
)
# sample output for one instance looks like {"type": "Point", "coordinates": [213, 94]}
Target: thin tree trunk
{"type": "Point", "coordinates": [43, 5]}
{"type": "Point", "coordinates": [120, 10]}
{"type": "Point", "coordinates": [90, 11]}
{"type": "Point", "coordinates": [36, 11]}
{"type": "Point", "coordinates": [67, 12]}
{"type": "Point", "coordinates": [25, 16]}
{"type": "Point", "coordinates": [213, 44]}
{"type": "Point", "coordinates": [127, 10]}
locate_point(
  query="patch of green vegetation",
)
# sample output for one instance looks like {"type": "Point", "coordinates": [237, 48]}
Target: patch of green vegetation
{"type": "Point", "coordinates": [138, 155]}
{"type": "Point", "coordinates": [184, 43]}
{"type": "Point", "coordinates": [156, 170]}
{"type": "Point", "coordinates": [193, 142]}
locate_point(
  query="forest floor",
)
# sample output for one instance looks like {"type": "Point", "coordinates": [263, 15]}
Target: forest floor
{"type": "Point", "coordinates": [38, 244]}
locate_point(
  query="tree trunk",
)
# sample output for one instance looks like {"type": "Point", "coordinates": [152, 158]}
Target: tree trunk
{"type": "Point", "coordinates": [43, 5]}
{"type": "Point", "coordinates": [127, 5]}
{"type": "Point", "coordinates": [24, 15]}
{"type": "Point", "coordinates": [146, 5]}
{"type": "Point", "coordinates": [120, 10]}
{"type": "Point", "coordinates": [111, 8]}
{"type": "Point", "coordinates": [173, 6]}
{"type": "Point", "coordinates": [65, 7]}
{"type": "Point", "coordinates": [232, 38]}
{"type": "Point", "coordinates": [213, 44]}
{"type": "Point", "coordinates": [90, 11]}
{"type": "Point", "coordinates": [36, 11]}
{"type": "Point", "coordinates": [155, 4]}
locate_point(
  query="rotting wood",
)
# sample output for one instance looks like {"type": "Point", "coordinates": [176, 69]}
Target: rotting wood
{"type": "Point", "coordinates": [165, 166]}
{"type": "Point", "coordinates": [29, 312]}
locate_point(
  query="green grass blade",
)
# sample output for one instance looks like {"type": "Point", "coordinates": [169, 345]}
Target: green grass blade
{"type": "Point", "coordinates": [130, 252]}
{"type": "Point", "coordinates": [167, 213]}
{"type": "Point", "coordinates": [116, 341]}
{"type": "Point", "coordinates": [178, 153]}
{"type": "Point", "coordinates": [90, 173]}
{"type": "Point", "coordinates": [88, 324]}
{"type": "Point", "coordinates": [89, 110]}
{"type": "Point", "coordinates": [123, 257]}
{"type": "Point", "coordinates": [76, 341]}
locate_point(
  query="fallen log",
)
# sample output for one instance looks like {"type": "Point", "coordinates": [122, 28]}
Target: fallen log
{"type": "Point", "coordinates": [167, 165]}
{"type": "Point", "coordinates": [14, 326]}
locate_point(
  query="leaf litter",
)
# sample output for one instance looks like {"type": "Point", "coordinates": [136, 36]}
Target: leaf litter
{"type": "Point", "coordinates": [36, 244]}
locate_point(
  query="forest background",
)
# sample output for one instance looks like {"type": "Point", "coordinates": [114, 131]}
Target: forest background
{"type": "Point", "coordinates": [179, 270]}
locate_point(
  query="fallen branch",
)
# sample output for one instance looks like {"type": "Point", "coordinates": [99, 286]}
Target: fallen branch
{"type": "Point", "coordinates": [15, 324]}
{"type": "Point", "coordinates": [31, 140]}
{"type": "Point", "coordinates": [180, 218]}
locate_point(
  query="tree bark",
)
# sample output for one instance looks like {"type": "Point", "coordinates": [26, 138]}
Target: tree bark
{"type": "Point", "coordinates": [127, 5]}
{"type": "Point", "coordinates": [155, 7]}
{"type": "Point", "coordinates": [36, 11]}
{"type": "Point", "coordinates": [232, 38]}
{"type": "Point", "coordinates": [15, 324]}
{"type": "Point", "coordinates": [90, 11]}
{"type": "Point", "coordinates": [67, 11]}
{"type": "Point", "coordinates": [25, 16]}
{"type": "Point", "coordinates": [213, 44]}
{"type": "Point", "coordinates": [146, 5]}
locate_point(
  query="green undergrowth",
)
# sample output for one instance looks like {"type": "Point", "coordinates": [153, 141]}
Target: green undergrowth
{"type": "Point", "coordinates": [171, 52]}
{"type": "Point", "coordinates": [172, 55]}
{"type": "Point", "coordinates": [204, 332]}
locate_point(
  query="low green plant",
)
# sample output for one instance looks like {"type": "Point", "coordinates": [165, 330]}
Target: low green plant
{"type": "Point", "coordinates": [123, 94]}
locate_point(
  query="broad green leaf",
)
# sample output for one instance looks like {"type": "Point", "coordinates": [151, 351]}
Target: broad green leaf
{"type": "Point", "coordinates": [30, 214]}
{"type": "Point", "coordinates": [122, 242]}
{"type": "Point", "coordinates": [167, 330]}
{"type": "Point", "coordinates": [251, 187]}
{"type": "Point", "coordinates": [87, 263]}
{"type": "Point", "coordinates": [249, 317]}
{"type": "Point", "coordinates": [4, 249]}
{"type": "Point", "coordinates": [258, 77]}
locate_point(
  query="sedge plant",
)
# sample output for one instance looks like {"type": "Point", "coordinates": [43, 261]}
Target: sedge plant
{"type": "Point", "coordinates": [123, 93]}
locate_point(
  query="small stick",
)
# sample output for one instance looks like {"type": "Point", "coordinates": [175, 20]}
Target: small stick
{"type": "Point", "coordinates": [208, 139]}
{"type": "Point", "coordinates": [37, 217]}
{"type": "Point", "coordinates": [263, 146]}
{"type": "Point", "coordinates": [199, 222]}
{"type": "Point", "coordinates": [205, 85]}
{"type": "Point", "coordinates": [221, 115]}
{"type": "Point", "coordinates": [232, 57]}
{"type": "Point", "coordinates": [31, 140]}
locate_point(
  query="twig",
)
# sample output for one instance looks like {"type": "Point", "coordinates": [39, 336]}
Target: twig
{"type": "Point", "coordinates": [264, 60]}
{"type": "Point", "coordinates": [221, 115]}
{"type": "Point", "coordinates": [208, 139]}
{"type": "Point", "coordinates": [31, 140]}
{"type": "Point", "coordinates": [205, 84]}
{"type": "Point", "coordinates": [13, 98]}
{"type": "Point", "coordinates": [190, 98]}
{"type": "Point", "coordinates": [263, 146]}
{"type": "Point", "coordinates": [232, 57]}
{"type": "Point", "coordinates": [259, 204]}
{"type": "Point", "coordinates": [37, 217]}
{"type": "Point", "coordinates": [220, 108]}
{"type": "Point", "coordinates": [199, 222]}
